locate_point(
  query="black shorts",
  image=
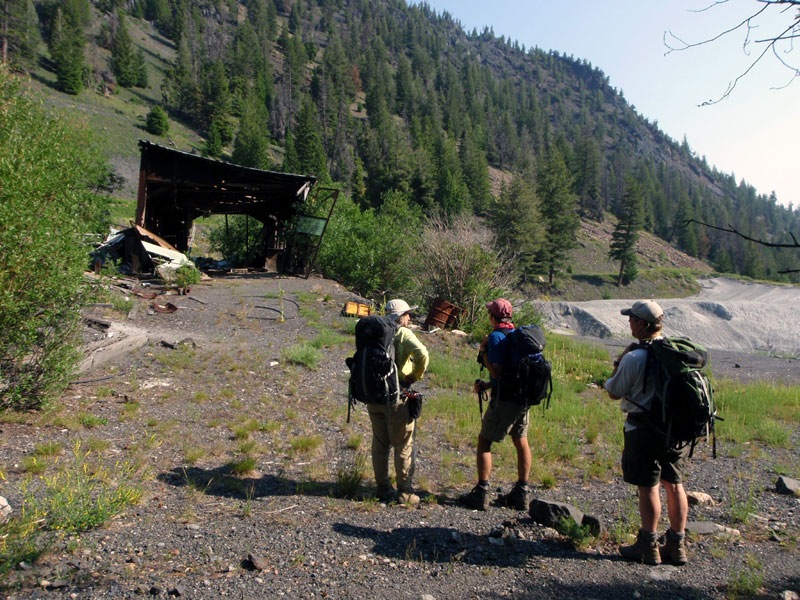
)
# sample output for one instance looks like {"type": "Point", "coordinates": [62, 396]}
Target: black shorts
{"type": "Point", "coordinates": [646, 461]}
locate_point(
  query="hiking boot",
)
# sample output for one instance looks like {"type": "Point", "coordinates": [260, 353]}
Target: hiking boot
{"type": "Point", "coordinates": [518, 498]}
{"type": "Point", "coordinates": [642, 551]}
{"type": "Point", "coordinates": [386, 493]}
{"type": "Point", "coordinates": [477, 498]}
{"type": "Point", "coordinates": [407, 498]}
{"type": "Point", "coordinates": [673, 551]}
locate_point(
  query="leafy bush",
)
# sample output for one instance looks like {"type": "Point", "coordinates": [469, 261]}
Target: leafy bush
{"type": "Point", "coordinates": [48, 166]}
{"type": "Point", "coordinates": [157, 121]}
{"type": "Point", "coordinates": [372, 251]}
{"type": "Point", "coordinates": [186, 275]}
{"type": "Point", "coordinates": [579, 536]}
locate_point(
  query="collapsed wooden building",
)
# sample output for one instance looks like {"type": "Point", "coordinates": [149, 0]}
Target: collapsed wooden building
{"type": "Point", "coordinates": [290, 211]}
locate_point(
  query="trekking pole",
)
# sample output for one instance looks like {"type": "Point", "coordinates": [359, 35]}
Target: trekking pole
{"type": "Point", "coordinates": [481, 397]}
{"type": "Point", "coordinates": [481, 391]}
{"type": "Point", "coordinates": [350, 400]}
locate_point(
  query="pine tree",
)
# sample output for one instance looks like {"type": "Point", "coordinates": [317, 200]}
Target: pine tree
{"type": "Point", "coordinates": [142, 80]}
{"type": "Point", "coordinates": [213, 145]}
{"type": "Point", "coordinates": [124, 63]}
{"type": "Point", "coordinates": [215, 91]}
{"type": "Point", "coordinates": [626, 233]}
{"type": "Point", "coordinates": [587, 177]}
{"type": "Point", "coordinates": [558, 207]}
{"type": "Point", "coordinates": [19, 31]}
{"type": "Point", "coordinates": [159, 13]}
{"type": "Point", "coordinates": [66, 49]}
{"type": "Point", "coordinates": [157, 121]}
{"type": "Point", "coordinates": [452, 194]}
{"type": "Point", "coordinates": [687, 238]}
{"type": "Point", "coordinates": [476, 171]}
{"type": "Point", "coordinates": [308, 143]}
{"type": "Point", "coordinates": [517, 221]}
{"type": "Point", "coordinates": [251, 147]}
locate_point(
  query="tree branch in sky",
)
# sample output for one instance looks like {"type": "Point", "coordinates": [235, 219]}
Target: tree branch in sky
{"type": "Point", "coordinates": [780, 43]}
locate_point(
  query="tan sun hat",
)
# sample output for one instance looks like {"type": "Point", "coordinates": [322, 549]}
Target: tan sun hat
{"type": "Point", "coordinates": [397, 308]}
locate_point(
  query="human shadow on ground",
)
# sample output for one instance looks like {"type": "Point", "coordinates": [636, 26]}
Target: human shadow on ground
{"type": "Point", "coordinates": [550, 588]}
{"type": "Point", "coordinates": [445, 545]}
{"type": "Point", "coordinates": [223, 482]}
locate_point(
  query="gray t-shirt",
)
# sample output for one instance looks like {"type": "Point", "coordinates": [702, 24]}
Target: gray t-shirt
{"type": "Point", "coordinates": [627, 383]}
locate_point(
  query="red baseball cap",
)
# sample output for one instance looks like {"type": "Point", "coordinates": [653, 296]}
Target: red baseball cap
{"type": "Point", "coordinates": [500, 308]}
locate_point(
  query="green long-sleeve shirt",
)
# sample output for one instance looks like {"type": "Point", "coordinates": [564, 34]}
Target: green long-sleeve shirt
{"type": "Point", "coordinates": [411, 356]}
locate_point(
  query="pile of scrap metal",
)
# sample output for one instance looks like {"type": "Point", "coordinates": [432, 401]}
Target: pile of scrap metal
{"type": "Point", "coordinates": [139, 252]}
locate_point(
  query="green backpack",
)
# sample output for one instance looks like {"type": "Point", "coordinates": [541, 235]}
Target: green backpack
{"type": "Point", "coordinates": [683, 409]}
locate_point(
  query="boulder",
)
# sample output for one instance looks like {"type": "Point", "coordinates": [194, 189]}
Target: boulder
{"type": "Point", "coordinates": [699, 499]}
{"type": "Point", "coordinates": [5, 510]}
{"type": "Point", "coordinates": [594, 524]}
{"type": "Point", "coordinates": [549, 513]}
{"type": "Point", "coordinates": [709, 528]}
{"type": "Point", "coordinates": [787, 485]}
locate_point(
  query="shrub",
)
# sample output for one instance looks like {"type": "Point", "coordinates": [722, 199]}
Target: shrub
{"type": "Point", "coordinates": [458, 261]}
{"type": "Point", "coordinates": [371, 251]}
{"type": "Point", "coordinates": [48, 166]}
{"type": "Point", "coordinates": [157, 121]}
{"type": "Point", "coordinates": [186, 275]}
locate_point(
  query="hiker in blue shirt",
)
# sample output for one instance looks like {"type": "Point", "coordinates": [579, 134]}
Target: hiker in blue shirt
{"type": "Point", "coordinates": [503, 417]}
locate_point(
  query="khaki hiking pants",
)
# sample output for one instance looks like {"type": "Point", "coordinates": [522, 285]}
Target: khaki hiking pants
{"type": "Point", "coordinates": [398, 434]}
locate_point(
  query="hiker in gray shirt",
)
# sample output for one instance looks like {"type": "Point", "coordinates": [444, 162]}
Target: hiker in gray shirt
{"type": "Point", "coordinates": [647, 459]}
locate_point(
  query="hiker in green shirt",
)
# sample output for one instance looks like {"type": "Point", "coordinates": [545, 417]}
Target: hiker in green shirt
{"type": "Point", "coordinates": [397, 431]}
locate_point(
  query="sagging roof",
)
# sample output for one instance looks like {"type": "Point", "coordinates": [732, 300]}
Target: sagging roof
{"type": "Point", "coordinates": [177, 187]}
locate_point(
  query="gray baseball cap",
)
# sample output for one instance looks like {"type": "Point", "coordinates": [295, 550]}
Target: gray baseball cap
{"type": "Point", "coordinates": [647, 310]}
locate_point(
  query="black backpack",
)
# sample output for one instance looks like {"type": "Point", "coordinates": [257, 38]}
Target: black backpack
{"type": "Point", "coordinates": [683, 409]}
{"type": "Point", "coordinates": [531, 381]}
{"type": "Point", "coordinates": [373, 374]}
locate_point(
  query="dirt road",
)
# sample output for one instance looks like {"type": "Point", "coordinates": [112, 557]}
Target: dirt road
{"type": "Point", "coordinates": [726, 315]}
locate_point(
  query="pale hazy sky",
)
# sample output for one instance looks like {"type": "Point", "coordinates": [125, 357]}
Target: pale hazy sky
{"type": "Point", "coordinates": [754, 133]}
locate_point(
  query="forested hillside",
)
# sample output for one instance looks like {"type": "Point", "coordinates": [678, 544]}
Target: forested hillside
{"type": "Point", "coordinates": [398, 104]}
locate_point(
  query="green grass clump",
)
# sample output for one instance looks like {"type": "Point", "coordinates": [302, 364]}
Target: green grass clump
{"type": "Point", "coordinates": [242, 466]}
{"type": "Point", "coordinates": [192, 454]}
{"type": "Point", "coordinates": [328, 338]}
{"type": "Point", "coordinates": [48, 449]}
{"type": "Point", "coordinates": [90, 421]}
{"type": "Point", "coordinates": [79, 497]}
{"type": "Point", "coordinates": [747, 581]}
{"type": "Point", "coordinates": [354, 441]}
{"type": "Point", "coordinates": [269, 426]}
{"type": "Point", "coordinates": [349, 480]}
{"type": "Point", "coordinates": [305, 444]}
{"type": "Point", "coordinates": [302, 354]}
{"type": "Point", "coordinates": [243, 431]}
{"type": "Point", "coordinates": [34, 465]}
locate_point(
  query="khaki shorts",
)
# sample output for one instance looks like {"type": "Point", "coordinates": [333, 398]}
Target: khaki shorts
{"type": "Point", "coordinates": [646, 460]}
{"type": "Point", "coordinates": [504, 418]}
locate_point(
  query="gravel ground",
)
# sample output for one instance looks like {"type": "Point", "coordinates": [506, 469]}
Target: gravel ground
{"type": "Point", "coordinates": [202, 532]}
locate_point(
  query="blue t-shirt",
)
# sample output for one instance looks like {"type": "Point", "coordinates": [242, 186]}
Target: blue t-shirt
{"type": "Point", "coordinates": [498, 350]}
